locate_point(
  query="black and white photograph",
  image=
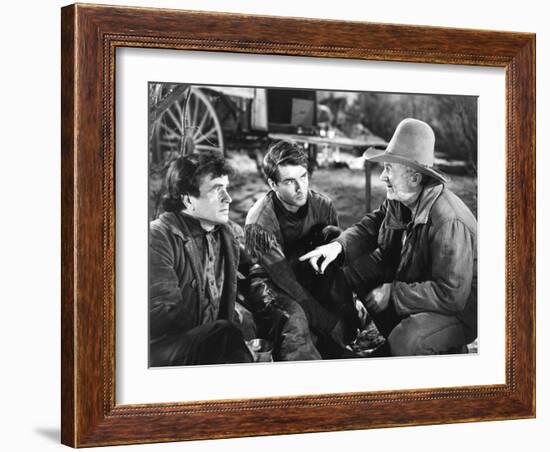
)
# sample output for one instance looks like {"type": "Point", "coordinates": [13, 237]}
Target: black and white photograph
{"type": "Point", "coordinates": [292, 224]}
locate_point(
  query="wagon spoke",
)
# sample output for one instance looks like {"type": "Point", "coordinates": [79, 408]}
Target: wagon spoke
{"type": "Point", "coordinates": [176, 121]}
{"type": "Point", "coordinates": [206, 136]}
{"type": "Point", "coordinates": [205, 147]}
{"type": "Point", "coordinates": [170, 131]}
{"type": "Point", "coordinates": [179, 108]}
{"type": "Point", "coordinates": [200, 126]}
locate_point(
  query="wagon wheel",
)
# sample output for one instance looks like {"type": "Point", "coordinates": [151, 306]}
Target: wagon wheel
{"type": "Point", "coordinates": [188, 125]}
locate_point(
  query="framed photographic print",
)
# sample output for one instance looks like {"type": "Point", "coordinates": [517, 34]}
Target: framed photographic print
{"type": "Point", "coordinates": [283, 225]}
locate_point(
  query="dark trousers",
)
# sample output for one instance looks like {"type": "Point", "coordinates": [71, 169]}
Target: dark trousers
{"type": "Point", "coordinates": [332, 299]}
{"type": "Point", "coordinates": [218, 342]}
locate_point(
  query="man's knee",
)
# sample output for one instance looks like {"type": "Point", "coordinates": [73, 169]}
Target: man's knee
{"type": "Point", "coordinates": [330, 233]}
{"type": "Point", "coordinates": [297, 317]}
{"type": "Point", "coordinates": [245, 321]}
{"type": "Point", "coordinates": [426, 334]}
{"type": "Point", "coordinates": [223, 327]}
{"type": "Point", "coordinates": [404, 340]}
{"type": "Point", "coordinates": [296, 340]}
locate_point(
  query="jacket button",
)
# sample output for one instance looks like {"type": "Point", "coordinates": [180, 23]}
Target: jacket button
{"type": "Point", "coordinates": [194, 284]}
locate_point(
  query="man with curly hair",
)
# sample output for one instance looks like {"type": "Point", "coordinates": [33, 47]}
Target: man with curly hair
{"type": "Point", "coordinates": [194, 256]}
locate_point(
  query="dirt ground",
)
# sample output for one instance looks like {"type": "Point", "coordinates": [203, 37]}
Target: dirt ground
{"type": "Point", "coordinates": [344, 185]}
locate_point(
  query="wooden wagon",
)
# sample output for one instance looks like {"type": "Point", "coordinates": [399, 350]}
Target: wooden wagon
{"type": "Point", "coordinates": [188, 118]}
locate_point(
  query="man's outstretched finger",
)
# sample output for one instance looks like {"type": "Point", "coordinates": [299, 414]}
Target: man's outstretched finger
{"type": "Point", "coordinates": [326, 261]}
{"type": "Point", "coordinates": [311, 255]}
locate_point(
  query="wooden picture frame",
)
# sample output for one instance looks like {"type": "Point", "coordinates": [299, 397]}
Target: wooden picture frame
{"type": "Point", "coordinates": [90, 36]}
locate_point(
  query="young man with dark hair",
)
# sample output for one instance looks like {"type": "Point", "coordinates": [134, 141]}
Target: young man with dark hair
{"type": "Point", "coordinates": [194, 255]}
{"type": "Point", "coordinates": [290, 220]}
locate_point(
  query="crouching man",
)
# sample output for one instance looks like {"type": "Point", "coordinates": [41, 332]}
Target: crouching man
{"type": "Point", "coordinates": [414, 260]}
{"type": "Point", "coordinates": [194, 255]}
{"type": "Point", "coordinates": [288, 221]}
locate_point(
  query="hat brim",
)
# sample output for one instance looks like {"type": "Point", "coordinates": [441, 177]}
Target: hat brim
{"type": "Point", "coordinates": [375, 155]}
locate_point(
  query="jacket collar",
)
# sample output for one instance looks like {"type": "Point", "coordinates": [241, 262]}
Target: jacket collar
{"type": "Point", "coordinates": [426, 201]}
{"type": "Point", "coordinates": [428, 197]}
{"type": "Point", "coordinates": [179, 225]}
{"type": "Point", "coordinates": [266, 216]}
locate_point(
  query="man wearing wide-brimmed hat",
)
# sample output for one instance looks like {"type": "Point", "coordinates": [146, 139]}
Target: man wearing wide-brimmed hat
{"type": "Point", "coordinates": [413, 261]}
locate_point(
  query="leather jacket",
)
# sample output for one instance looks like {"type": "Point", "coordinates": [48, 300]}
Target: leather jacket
{"type": "Point", "coordinates": [431, 261]}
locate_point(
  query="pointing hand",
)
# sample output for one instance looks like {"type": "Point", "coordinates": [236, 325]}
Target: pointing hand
{"type": "Point", "coordinates": [328, 252]}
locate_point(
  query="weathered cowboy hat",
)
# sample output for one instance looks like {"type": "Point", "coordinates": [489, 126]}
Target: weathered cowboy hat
{"type": "Point", "coordinates": [412, 144]}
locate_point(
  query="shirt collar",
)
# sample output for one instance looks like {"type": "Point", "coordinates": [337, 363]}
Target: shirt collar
{"type": "Point", "coordinates": [280, 209]}
{"type": "Point", "coordinates": [195, 227]}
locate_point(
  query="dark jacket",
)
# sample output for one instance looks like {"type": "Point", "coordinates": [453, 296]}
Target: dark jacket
{"type": "Point", "coordinates": [434, 269]}
{"type": "Point", "coordinates": [176, 275]}
{"type": "Point", "coordinates": [265, 243]}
